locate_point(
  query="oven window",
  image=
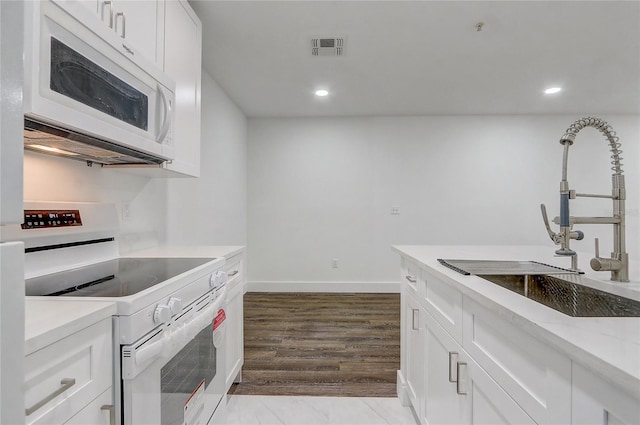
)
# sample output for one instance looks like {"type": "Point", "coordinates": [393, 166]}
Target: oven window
{"type": "Point", "coordinates": [184, 378]}
{"type": "Point", "coordinates": [77, 77]}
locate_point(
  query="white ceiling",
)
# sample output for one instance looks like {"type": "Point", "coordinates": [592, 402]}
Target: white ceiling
{"type": "Point", "coordinates": [425, 57]}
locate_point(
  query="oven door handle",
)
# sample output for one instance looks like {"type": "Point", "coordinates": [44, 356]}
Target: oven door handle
{"type": "Point", "coordinates": [195, 325]}
{"type": "Point", "coordinates": [150, 351]}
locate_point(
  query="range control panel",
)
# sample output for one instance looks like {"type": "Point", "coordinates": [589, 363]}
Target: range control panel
{"type": "Point", "coordinates": [42, 219]}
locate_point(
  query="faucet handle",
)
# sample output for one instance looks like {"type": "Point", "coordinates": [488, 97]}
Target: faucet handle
{"type": "Point", "coordinates": [554, 236]}
{"type": "Point", "coordinates": [597, 247]}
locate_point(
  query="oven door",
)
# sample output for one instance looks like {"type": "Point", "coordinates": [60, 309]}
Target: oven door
{"type": "Point", "coordinates": [175, 375]}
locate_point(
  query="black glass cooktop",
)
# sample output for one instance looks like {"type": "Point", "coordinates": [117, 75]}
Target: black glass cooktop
{"type": "Point", "coordinates": [113, 278]}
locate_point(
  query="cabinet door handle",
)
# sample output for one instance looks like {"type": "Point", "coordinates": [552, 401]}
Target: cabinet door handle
{"type": "Point", "coordinates": [460, 379]}
{"type": "Point", "coordinates": [233, 273]}
{"type": "Point", "coordinates": [411, 279]}
{"type": "Point", "coordinates": [65, 384]}
{"type": "Point", "coordinates": [110, 4]}
{"type": "Point", "coordinates": [124, 23]}
{"type": "Point", "coordinates": [453, 368]}
{"type": "Point", "coordinates": [415, 322]}
{"type": "Point", "coordinates": [112, 413]}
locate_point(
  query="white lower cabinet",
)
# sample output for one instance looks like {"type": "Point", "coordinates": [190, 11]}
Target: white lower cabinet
{"type": "Point", "coordinates": [65, 377]}
{"type": "Point", "coordinates": [414, 363]}
{"type": "Point", "coordinates": [100, 411]}
{"type": "Point", "coordinates": [535, 375]}
{"type": "Point", "coordinates": [595, 401]}
{"type": "Point", "coordinates": [473, 362]}
{"type": "Point", "coordinates": [458, 390]}
{"type": "Point", "coordinates": [235, 320]}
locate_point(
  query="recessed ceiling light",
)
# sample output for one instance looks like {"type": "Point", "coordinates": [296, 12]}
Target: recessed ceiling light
{"type": "Point", "coordinates": [322, 93]}
{"type": "Point", "coordinates": [553, 90]}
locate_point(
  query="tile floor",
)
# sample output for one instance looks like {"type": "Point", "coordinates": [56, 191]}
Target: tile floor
{"type": "Point", "coordinates": [306, 410]}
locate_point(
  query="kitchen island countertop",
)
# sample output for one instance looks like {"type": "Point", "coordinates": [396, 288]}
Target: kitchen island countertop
{"type": "Point", "coordinates": [609, 346]}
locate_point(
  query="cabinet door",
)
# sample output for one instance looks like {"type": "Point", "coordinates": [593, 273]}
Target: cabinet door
{"type": "Point", "coordinates": [182, 63]}
{"type": "Point", "coordinates": [99, 412]}
{"type": "Point", "coordinates": [93, 6]}
{"type": "Point", "coordinates": [414, 373]}
{"type": "Point", "coordinates": [596, 401]}
{"type": "Point", "coordinates": [458, 390]}
{"type": "Point", "coordinates": [490, 404]}
{"type": "Point", "coordinates": [443, 404]}
{"type": "Point", "coordinates": [138, 21]}
{"type": "Point", "coordinates": [535, 375]}
{"type": "Point", "coordinates": [234, 335]}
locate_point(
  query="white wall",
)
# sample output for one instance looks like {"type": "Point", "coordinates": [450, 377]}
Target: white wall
{"type": "Point", "coordinates": [49, 178]}
{"type": "Point", "coordinates": [323, 188]}
{"type": "Point", "coordinates": [212, 210]}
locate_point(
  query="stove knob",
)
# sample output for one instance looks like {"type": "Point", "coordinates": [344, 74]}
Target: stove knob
{"type": "Point", "coordinates": [162, 314]}
{"type": "Point", "coordinates": [175, 305]}
{"type": "Point", "coordinates": [217, 279]}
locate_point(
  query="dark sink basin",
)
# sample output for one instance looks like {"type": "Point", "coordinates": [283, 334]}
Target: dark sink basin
{"type": "Point", "coordinates": [568, 297]}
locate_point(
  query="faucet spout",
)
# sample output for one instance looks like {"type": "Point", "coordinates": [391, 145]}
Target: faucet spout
{"type": "Point", "coordinates": [618, 264]}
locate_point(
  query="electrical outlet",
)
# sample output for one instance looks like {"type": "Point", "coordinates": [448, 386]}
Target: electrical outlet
{"type": "Point", "coordinates": [334, 263]}
{"type": "Point", "coordinates": [395, 210]}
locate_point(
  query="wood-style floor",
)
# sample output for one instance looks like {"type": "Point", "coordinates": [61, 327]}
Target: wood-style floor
{"type": "Point", "coordinates": [321, 344]}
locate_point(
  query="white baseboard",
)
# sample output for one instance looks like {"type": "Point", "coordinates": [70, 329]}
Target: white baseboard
{"type": "Point", "coordinates": [331, 287]}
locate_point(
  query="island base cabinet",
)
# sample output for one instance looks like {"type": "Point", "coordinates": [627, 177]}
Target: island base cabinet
{"type": "Point", "coordinates": [413, 364]}
{"type": "Point", "coordinates": [595, 401]}
{"type": "Point", "coordinates": [536, 376]}
{"type": "Point", "coordinates": [457, 390]}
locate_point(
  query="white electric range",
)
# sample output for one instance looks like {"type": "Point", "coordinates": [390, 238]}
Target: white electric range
{"type": "Point", "coordinates": [169, 325]}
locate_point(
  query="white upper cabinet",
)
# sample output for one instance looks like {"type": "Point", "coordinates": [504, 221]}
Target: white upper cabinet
{"type": "Point", "coordinates": [137, 22]}
{"type": "Point", "coordinates": [182, 63]}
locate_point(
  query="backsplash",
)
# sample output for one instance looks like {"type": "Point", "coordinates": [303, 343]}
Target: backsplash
{"type": "Point", "coordinates": [47, 178]}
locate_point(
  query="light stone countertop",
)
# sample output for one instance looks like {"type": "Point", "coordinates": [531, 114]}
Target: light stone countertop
{"type": "Point", "coordinates": [50, 320]}
{"type": "Point", "coordinates": [610, 347]}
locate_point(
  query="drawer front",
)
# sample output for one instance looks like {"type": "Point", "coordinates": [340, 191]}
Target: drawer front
{"type": "Point", "coordinates": [444, 302]}
{"type": "Point", "coordinates": [537, 377]}
{"type": "Point", "coordinates": [234, 267]}
{"type": "Point", "coordinates": [409, 276]}
{"type": "Point", "coordinates": [64, 377]}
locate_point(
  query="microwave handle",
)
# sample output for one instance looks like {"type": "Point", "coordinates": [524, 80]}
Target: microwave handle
{"type": "Point", "coordinates": [166, 116]}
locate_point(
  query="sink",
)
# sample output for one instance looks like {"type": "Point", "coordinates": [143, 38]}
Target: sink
{"type": "Point", "coordinates": [565, 296]}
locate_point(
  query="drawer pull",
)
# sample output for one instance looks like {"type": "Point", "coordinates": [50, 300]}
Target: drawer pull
{"type": "Point", "coordinates": [453, 354]}
{"type": "Point", "coordinates": [460, 379]}
{"type": "Point", "coordinates": [112, 413]}
{"type": "Point", "coordinates": [411, 279]}
{"type": "Point", "coordinates": [233, 273]}
{"type": "Point", "coordinates": [66, 383]}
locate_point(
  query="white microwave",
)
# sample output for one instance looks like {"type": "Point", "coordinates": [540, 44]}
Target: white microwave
{"type": "Point", "coordinates": [86, 99]}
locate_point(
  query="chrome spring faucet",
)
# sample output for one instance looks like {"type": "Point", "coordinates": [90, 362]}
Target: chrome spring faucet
{"type": "Point", "coordinates": [618, 263]}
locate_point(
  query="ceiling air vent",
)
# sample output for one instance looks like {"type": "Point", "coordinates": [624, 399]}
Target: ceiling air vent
{"type": "Point", "coordinates": [327, 46]}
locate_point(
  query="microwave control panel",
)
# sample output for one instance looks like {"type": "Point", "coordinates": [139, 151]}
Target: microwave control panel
{"type": "Point", "coordinates": [43, 219]}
